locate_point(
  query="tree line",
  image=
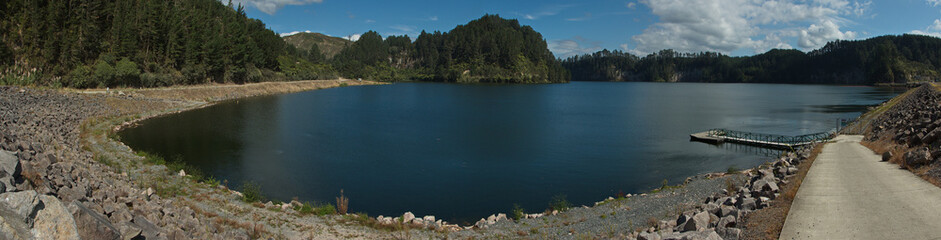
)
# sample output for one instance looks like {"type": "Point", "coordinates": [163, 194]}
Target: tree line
{"type": "Point", "coordinates": [489, 49]}
{"type": "Point", "coordinates": [885, 59]}
{"type": "Point", "coordinates": [149, 43]}
{"type": "Point", "coordinates": [97, 43]}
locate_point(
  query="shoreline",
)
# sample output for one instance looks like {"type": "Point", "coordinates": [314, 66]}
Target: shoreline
{"type": "Point", "coordinates": [220, 214]}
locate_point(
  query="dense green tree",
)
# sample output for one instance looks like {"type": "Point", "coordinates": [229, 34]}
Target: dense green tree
{"type": "Point", "coordinates": [314, 55]}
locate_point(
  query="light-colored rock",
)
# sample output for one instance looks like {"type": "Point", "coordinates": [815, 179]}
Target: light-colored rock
{"type": "Point", "coordinates": [407, 217]}
{"type": "Point", "coordinates": [698, 222]}
{"type": "Point", "coordinates": [12, 225]}
{"type": "Point", "coordinates": [92, 225]}
{"type": "Point", "coordinates": [726, 222]}
{"type": "Point", "coordinates": [748, 204]}
{"type": "Point", "coordinates": [9, 162]}
{"type": "Point", "coordinates": [54, 221]}
{"type": "Point", "coordinates": [428, 218]}
{"type": "Point", "coordinates": [22, 203]}
{"type": "Point", "coordinates": [648, 236]}
{"type": "Point", "coordinates": [500, 217]}
{"type": "Point", "coordinates": [182, 173]}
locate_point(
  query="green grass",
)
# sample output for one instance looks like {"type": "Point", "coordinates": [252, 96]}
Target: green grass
{"type": "Point", "coordinates": [251, 192]}
{"type": "Point", "coordinates": [518, 212]}
{"type": "Point", "coordinates": [559, 203]}
{"type": "Point", "coordinates": [316, 209]}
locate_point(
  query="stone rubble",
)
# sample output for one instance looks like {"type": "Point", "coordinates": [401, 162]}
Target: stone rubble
{"type": "Point", "coordinates": [719, 216]}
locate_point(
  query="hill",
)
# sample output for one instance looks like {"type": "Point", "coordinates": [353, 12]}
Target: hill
{"type": "Point", "coordinates": [885, 59]}
{"type": "Point", "coordinates": [490, 49]}
{"type": "Point", "coordinates": [141, 43]}
{"type": "Point", "coordinates": [329, 46]}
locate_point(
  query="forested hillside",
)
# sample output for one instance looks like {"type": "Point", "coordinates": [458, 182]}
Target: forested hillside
{"type": "Point", "coordinates": [886, 59]}
{"type": "Point", "coordinates": [97, 43]}
{"type": "Point", "coordinates": [489, 49]}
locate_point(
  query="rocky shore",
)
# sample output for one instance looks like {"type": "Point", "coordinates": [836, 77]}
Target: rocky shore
{"type": "Point", "coordinates": [62, 172]}
{"type": "Point", "coordinates": [907, 132]}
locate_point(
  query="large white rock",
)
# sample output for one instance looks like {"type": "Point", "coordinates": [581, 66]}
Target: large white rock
{"type": "Point", "coordinates": [407, 217]}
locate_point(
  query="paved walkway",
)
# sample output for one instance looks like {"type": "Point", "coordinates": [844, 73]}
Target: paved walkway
{"type": "Point", "coordinates": [850, 194]}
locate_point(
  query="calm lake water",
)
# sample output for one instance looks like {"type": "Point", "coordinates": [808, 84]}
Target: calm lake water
{"type": "Point", "coordinates": [462, 152]}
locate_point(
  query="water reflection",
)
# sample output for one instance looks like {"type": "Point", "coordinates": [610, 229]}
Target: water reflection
{"type": "Point", "coordinates": [462, 152]}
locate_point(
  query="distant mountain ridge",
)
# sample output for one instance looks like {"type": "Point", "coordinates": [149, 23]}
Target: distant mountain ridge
{"type": "Point", "coordinates": [330, 46]}
{"type": "Point", "coordinates": [878, 60]}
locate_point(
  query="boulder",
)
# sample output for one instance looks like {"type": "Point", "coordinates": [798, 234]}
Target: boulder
{"type": "Point", "coordinates": [711, 208]}
{"type": "Point", "coordinates": [726, 222]}
{"type": "Point", "coordinates": [765, 185]}
{"type": "Point", "coordinates": [699, 221]}
{"type": "Point", "coordinates": [648, 236]}
{"type": "Point", "coordinates": [428, 218]}
{"type": "Point", "coordinates": [729, 233]}
{"type": "Point", "coordinates": [24, 204]}
{"type": "Point", "coordinates": [748, 204]}
{"type": "Point", "coordinates": [918, 157]}
{"type": "Point", "coordinates": [54, 221]}
{"type": "Point", "coordinates": [500, 217]}
{"type": "Point", "coordinates": [728, 211]}
{"type": "Point", "coordinates": [407, 217]}
{"type": "Point", "coordinates": [692, 235]}
{"type": "Point", "coordinates": [92, 225]}
{"type": "Point", "coordinates": [12, 225]}
{"type": "Point", "coordinates": [148, 229]}
{"type": "Point", "coordinates": [10, 163]}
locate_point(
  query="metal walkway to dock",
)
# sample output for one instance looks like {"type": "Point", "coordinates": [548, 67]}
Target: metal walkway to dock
{"type": "Point", "coordinates": [718, 135]}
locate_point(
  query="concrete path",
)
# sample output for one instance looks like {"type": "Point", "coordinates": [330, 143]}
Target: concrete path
{"type": "Point", "coordinates": [850, 194]}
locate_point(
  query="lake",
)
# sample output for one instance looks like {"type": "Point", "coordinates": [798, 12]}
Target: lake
{"type": "Point", "coordinates": [462, 152]}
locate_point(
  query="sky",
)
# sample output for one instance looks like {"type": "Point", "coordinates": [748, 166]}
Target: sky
{"type": "Point", "coordinates": [733, 27]}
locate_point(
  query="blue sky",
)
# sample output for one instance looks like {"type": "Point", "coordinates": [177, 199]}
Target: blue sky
{"type": "Point", "coordinates": [735, 27]}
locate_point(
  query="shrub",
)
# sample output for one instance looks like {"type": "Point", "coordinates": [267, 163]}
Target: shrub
{"type": "Point", "coordinates": [325, 209]}
{"type": "Point", "coordinates": [559, 203]}
{"type": "Point", "coordinates": [731, 170]}
{"type": "Point", "coordinates": [81, 77]}
{"type": "Point", "coordinates": [251, 192]}
{"type": "Point", "coordinates": [518, 212]}
{"type": "Point", "coordinates": [152, 158]}
{"type": "Point", "coordinates": [104, 73]}
{"type": "Point", "coordinates": [126, 73]}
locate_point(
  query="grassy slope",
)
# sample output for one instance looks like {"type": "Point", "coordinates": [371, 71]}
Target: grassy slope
{"type": "Point", "coordinates": [330, 46]}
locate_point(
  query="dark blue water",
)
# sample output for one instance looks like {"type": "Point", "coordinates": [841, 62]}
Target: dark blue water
{"type": "Point", "coordinates": [462, 152]}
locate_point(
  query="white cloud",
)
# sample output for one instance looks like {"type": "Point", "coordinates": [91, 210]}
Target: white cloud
{"type": "Point", "coordinates": [433, 18]}
{"type": "Point", "coordinates": [272, 6]}
{"type": "Point", "coordinates": [370, 21]}
{"type": "Point", "coordinates": [354, 37]}
{"type": "Point", "coordinates": [546, 11]}
{"type": "Point", "coordinates": [633, 5]}
{"type": "Point", "coordinates": [934, 3]}
{"type": "Point", "coordinates": [294, 32]}
{"type": "Point", "coordinates": [934, 30]}
{"type": "Point", "coordinates": [576, 46]}
{"type": "Point", "coordinates": [731, 25]}
{"type": "Point", "coordinates": [819, 34]}
{"type": "Point", "coordinates": [579, 19]}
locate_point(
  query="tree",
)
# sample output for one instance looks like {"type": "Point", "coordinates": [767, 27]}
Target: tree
{"type": "Point", "coordinates": [314, 55]}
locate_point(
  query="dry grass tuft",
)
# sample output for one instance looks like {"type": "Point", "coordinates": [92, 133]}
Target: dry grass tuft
{"type": "Point", "coordinates": [343, 203]}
